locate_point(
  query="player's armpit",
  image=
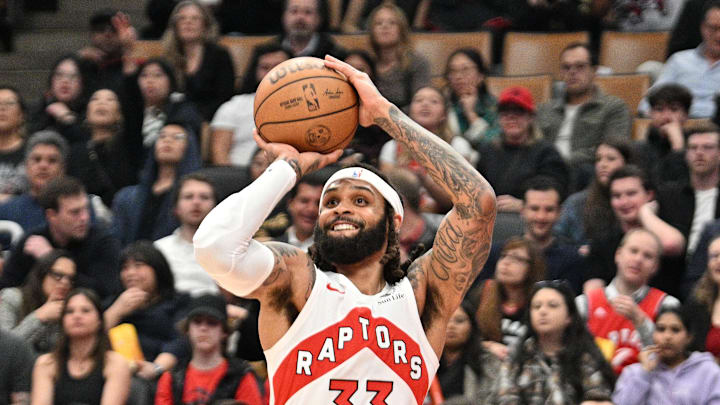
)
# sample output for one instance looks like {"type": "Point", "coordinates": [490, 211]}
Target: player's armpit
{"type": "Point", "coordinates": [291, 279]}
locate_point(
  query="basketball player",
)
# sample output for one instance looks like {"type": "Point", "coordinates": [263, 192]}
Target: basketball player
{"type": "Point", "coordinates": [344, 324]}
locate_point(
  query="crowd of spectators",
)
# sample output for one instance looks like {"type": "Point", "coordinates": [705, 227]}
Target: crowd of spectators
{"type": "Point", "coordinates": [601, 284]}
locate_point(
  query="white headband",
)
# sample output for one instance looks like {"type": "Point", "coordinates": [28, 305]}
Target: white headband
{"type": "Point", "coordinates": [359, 173]}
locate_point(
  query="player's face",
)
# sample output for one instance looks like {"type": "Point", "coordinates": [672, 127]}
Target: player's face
{"type": "Point", "coordinates": [548, 312]}
{"type": "Point", "coordinates": [637, 259]}
{"type": "Point", "coordinates": [351, 223]}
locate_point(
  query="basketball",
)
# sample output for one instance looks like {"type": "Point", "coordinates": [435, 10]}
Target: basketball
{"type": "Point", "coordinates": [302, 103]}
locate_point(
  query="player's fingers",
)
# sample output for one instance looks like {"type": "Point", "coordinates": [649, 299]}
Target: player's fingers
{"type": "Point", "coordinates": [261, 142]}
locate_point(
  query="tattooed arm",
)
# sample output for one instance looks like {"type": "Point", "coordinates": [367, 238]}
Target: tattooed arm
{"type": "Point", "coordinates": [442, 276]}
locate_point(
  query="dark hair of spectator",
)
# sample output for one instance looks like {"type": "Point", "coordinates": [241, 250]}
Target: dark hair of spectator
{"type": "Point", "coordinates": [195, 177]}
{"type": "Point", "coordinates": [163, 64]}
{"type": "Point", "coordinates": [706, 289]}
{"type": "Point", "coordinates": [407, 185]}
{"type": "Point", "coordinates": [249, 82]}
{"type": "Point", "coordinates": [145, 252]}
{"type": "Point", "coordinates": [542, 183]}
{"type": "Point", "coordinates": [63, 186]}
{"type": "Point", "coordinates": [102, 343]}
{"type": "Point", "coordinates": [393, 271]}
{"type": "Point", "coordinates": [598, 216]}
{"type": "Point", "coordinates": [671, 94]}
{"type": "Point", "coordinates": [102, 19]}
{"type": "Point", "coordinates": [82, 71]}
{"type": "Point", "coordinates": [316, 179]}
{"type": "Point", "coordinates": [18, 96]}
{"type": "Point", "coordinates": [48, 137]}
{"type": "Point", "coordinates": [709, 6]}
{"type": "Point", "coordinates": [702, 128]}
{"type": "Point", "coordinates": [489, 312]}
{"type": "Point", "coordinates": [472, 350]}
{"type": "Point", "coordinates": [632, 171]}
{"type": "Point", "coordinates": [577, 341]}
{"type": "Point", "coordinates": [364, 55]}
{"type": "Point", "coordinates": [584, 45]}
{"type": "Point", "coordinates": [477, 59]}
{"type": "Point", "coordinates": [685, 317]}
{"type": "Point", "coordinates": [32, 291]}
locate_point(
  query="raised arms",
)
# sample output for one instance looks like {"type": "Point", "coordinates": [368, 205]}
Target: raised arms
{"type": "Point", "coordinates": [441, 277]}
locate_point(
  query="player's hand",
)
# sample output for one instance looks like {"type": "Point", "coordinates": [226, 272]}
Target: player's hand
{"type": "Point", "coordinates": [303, 163]}
{"type": "Point", "coordinates": [372, 103]}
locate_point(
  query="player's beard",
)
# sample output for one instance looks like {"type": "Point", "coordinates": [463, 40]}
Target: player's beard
{"type": "Point", "coordinates": [349, 250]}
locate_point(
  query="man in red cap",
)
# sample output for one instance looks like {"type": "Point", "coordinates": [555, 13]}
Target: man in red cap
{"type": "Point", "coordinates": [521, 154]}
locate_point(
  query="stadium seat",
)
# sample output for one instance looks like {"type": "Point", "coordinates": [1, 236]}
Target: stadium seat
{"type": "Point", "coordinates": [353, 41]}
{"type": "Point", "coordinates": [437, 46]}
{"type": "Point", "coordinates": [631, 88]}
{"type": "Point", "coordinates": [623, 52]}
{"type": "Point", "coordinates": [241, 48]}
{"type": "Point", "coordinates": [536, 53]}
{"type": "Point", "coordinates": [540, 86]}
{"type": "Point", "coordinates": [145, 49]}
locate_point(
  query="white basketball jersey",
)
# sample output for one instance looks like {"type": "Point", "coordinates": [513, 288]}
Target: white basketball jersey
{"type": "Point", "coordinates": [349, 348]}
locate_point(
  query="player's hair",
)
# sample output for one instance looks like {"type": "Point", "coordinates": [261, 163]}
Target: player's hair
{"type": "Point", "coordinates": [393, 271]}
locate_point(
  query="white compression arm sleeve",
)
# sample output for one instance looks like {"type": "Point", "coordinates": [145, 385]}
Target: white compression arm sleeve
{"type": "Point", "coordinates": [223, 243]}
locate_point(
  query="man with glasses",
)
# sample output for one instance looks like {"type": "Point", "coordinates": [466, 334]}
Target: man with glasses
{"type": "Point", "coordinates": [697, 69]}
{"type": "Point", "coordinates": [93, 248]}
{"type": "Point", "coordinates": [579, 120]}
{"type": "Point", "coordinates": [623, 313]}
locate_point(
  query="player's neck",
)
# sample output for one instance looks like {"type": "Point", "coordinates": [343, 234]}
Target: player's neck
{"type": "Point", "coordinates": [367, 275]}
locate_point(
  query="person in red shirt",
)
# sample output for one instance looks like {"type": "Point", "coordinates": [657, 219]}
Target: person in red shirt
{"type": "Point", "coordinates": [209, 376]}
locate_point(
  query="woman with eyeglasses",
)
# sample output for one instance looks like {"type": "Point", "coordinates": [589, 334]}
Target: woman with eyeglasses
{"type": "Point", "coordinates": [556, 361]}
{"type": "Point", "coordinates": [473, 110]}
{"type": "Point", "coordinates": [145, 210]}
{"type": "Point", "coordinates": [33, 310]}
{"type": "Point", "coordinates": [63, 103]}
{"type": "Point", "coordinates": [82, 369]}
{"type": "Point", "coordinates": [670, 372]}
{"type": "Point", "coordinates": [399, 71]}
{"type": "Point", "coordinates": [12, 142]}
{"type": "Point", "coordinates": [519, 153]}
{"type": "Point", "coordinates": [501, 301]}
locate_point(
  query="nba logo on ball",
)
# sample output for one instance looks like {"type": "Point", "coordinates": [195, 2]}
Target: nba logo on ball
{"type": "Point", "coordinates": [330, 118]}
{"type": "Point", "coordinates": [311, 97]}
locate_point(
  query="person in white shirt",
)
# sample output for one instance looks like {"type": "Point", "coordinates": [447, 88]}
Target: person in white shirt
{"type": "Point", "coordinates": [194, 199]}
